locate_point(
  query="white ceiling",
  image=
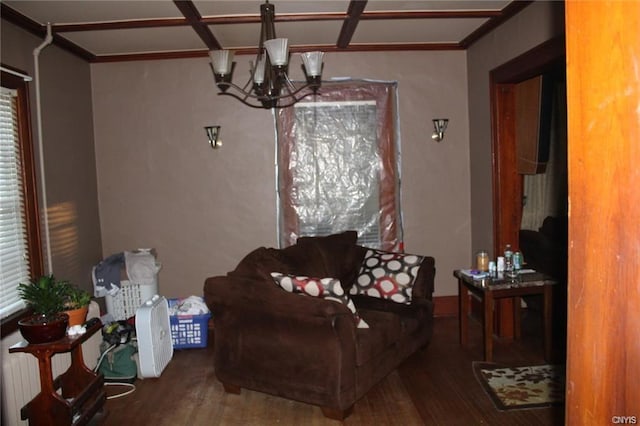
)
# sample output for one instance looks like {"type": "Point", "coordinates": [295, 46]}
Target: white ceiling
{"type": "Point", "coordinates": [159, 28]}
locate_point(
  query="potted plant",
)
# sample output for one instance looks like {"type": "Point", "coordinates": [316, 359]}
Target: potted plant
{"type": "Point", "coordinates": [76, 304]}
{"type": "Point", "coordinates": [45, 296]}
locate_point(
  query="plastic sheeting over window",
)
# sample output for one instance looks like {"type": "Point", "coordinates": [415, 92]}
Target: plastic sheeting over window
{"type": "Point", "coordinates": [338, 165]}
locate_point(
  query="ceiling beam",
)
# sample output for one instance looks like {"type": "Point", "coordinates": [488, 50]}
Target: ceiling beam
{"type": "Point", "coordinates": [356, 7]}
{"type": "Point", "coordinates": [177, 22]}
{"type": "Point", "coordinates": [120, 25]}
{"type": "Point", "coordinates": [510, 10]}
{"type": "Point", "coordinates": [192, 17]}
{"type": "Point", "coordinates": [283, 17]}
{"type": "Point", "coordinates": [353, 47]}
{"type": "Point", "coordinates": [436, 14]}
{"type": "Point", "coordinates": [39, 30]}
{"type": "Point", "coordinates": [190, 12]}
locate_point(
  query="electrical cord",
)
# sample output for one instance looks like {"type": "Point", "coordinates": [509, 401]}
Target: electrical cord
{"type": "Point", "coordinates": [110, 348]}
{"type": "Point", "coordinates": [131, 386]}
{"type": "Point", "coordinates": [121, 394]}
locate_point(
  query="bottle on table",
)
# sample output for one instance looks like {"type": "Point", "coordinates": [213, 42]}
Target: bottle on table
{"type": "Point", "coordinates": [509, 269]}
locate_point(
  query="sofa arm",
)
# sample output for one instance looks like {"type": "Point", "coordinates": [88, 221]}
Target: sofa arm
{"type": "Point", "coordinates": [282, 343]}
{"type": "Point", "coordinates": [425, 281]}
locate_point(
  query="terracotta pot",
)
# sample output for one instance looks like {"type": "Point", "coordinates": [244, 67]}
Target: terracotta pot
{"type": "Point", "coordinates": [77, 316]}
{"type": "Point", "coordinates": [36, 331]}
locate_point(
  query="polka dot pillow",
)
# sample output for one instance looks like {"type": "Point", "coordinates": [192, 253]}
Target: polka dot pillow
{"type": "Point", "coordinates": [325, 288]}
{"type": "Point", "coordinates": [387, 275]}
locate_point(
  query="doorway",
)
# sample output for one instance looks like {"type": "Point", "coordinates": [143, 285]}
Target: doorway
{"type": "Point", "coordinates": [508, 183]}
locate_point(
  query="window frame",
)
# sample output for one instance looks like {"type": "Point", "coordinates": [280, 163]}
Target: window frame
{"type": "Point", "coordinates": [9, 324]}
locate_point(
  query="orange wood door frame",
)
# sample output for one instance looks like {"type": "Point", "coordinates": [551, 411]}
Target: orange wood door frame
{"type": "Point", "coordinates": [507, 183]}
{"type": "Point", "coordinates": [507, 190]}
{"type": "Point", "coordinates": [603, 94]}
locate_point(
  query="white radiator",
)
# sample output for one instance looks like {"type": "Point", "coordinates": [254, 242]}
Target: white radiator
{"type": "Point", "coordinates": [20, 376]}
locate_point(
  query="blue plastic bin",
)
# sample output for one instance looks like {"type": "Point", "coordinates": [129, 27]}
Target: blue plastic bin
{"type": "Point", "coordinates": [188, 331]}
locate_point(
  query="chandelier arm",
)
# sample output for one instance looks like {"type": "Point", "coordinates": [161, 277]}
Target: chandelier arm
{"type": "Point", "coordinates": [246, 94]}
{"type": "Point", "coordinates": [290, 87]}
{"type": "Point", "coordinates": [293, 101]}
{"type": "Point", "coordinates": [241, 99]}
{"type": "Point", "coordinates": [298, 90]}
{"type": "Point", "coordinates": [249, 83]}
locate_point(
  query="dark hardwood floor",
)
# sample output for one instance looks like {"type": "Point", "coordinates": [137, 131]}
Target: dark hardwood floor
{"type": "Point", "coordinates": [436, 386]}
{"type": "Point", "coordinates": [445, 391]}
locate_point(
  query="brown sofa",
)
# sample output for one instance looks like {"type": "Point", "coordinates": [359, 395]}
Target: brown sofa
{"type": "Point", "coordinates": [307, 348]}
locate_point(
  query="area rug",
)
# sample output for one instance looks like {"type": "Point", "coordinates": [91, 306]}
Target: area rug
{"type": "Point", "coordinates": [522, 387]}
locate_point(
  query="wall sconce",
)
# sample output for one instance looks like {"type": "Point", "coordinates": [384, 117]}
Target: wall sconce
{"type": "Point", "coordinates": [213, 133]}
{"type": "Point", "coordinates": [439, 126]}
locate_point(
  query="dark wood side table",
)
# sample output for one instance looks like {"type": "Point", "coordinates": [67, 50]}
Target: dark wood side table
{"type": "Point", "coordinates": [488, 290]}
{"type": "Point", "coordinates": [82, 390]}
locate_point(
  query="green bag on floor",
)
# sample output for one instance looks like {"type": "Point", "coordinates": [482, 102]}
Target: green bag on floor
{"type": "Point", "coordinates": [119, 364]}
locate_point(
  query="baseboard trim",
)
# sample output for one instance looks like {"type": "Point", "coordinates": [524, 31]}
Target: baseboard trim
{"type": "Point", "coordinates": [445, 306]}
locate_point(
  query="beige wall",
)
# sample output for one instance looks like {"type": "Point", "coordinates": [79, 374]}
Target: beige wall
{"type": "Point", "coordinates": [69, 157]}
{"type": "Point", "coordinates": [161, 185]}
{"type": "Point", "coordinates": [537, 23]}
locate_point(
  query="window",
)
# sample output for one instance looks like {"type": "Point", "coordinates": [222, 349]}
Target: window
{"type": "Point", "coordinates": [338, 165]}
{"type": "Point", "coordinates": [20, 252]}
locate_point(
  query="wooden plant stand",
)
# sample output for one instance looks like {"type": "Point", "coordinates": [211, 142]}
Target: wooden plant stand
{"type": "Point", "coordinates": [82, 392]}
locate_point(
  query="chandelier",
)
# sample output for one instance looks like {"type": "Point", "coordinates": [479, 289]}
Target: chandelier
{"type": "Point", "coordinates": [269, 85]}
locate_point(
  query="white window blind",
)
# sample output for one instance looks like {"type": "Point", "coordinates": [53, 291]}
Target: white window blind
{"type": "Point", "coordinates": [14, 259]}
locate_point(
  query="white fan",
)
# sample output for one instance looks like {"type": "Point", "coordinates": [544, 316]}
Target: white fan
{"type": "Point", "coordinates": [153, 331]}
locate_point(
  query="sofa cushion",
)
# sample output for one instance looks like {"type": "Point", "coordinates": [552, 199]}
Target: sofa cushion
{"type": "Point", "coordinates": [304, 260]}
{"type": "Point", "coordinates": [387, 275]}
{"type": "Point", "coordinates": [331, 241]}
{"type": "Point", "coordinates": [340, 255]}
{"type": "Point", "coordinates": [260, 262]}
{"type": "Point", "coordinates": [325, 288]}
